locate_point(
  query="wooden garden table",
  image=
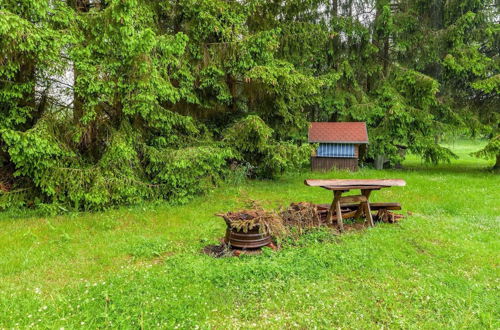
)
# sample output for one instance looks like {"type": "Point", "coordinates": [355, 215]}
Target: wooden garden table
{"type": "Point", "coordinates": [341, 186]}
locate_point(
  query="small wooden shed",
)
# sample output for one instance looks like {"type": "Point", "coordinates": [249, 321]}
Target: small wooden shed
{"type": "Point", "coordinates": [339, 144]}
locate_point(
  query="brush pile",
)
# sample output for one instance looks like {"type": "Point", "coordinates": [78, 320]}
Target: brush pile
{"type": "Point", "coordinates": [302, 215]}
{"type": "Point", "coordinates": [253, 227]}
{"type": "Point", "coordinates": [267, 222]}
{"type": "Point", "coordinates": [297, 216]}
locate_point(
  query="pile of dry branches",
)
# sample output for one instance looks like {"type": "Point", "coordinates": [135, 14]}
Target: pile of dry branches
{"type": "Point", "coordinates": [268, 222]}
{"type": "Point", "coordinates": [301, 215]}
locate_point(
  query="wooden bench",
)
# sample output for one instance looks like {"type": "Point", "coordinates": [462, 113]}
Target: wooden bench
{"type": "Point", "coordinates": [373, 206]}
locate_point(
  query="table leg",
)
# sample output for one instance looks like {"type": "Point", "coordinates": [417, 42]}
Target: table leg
{"type": "Point", "coordinates": [340, 221]}
{"type": "Point", "coordinates": [359, 211]}
{"type": "Point", "coordinates": [335, 207]}
{"type": "Point", "coordinates": [331, 210]}
{"type": "Point", "coordinates": [366, 206]}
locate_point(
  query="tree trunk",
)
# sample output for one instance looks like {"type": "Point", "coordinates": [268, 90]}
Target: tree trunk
{"type": "Point", "coordinates": [380, 39]}
{"type": "Point", "coordinates": [81, 6]}
{"type": "Point", "coordinates": [386, 56]}
{"type": "Point", "coordinates": [379, 162]}
{"type": "Point", "coordinates": [335, 36]}
{"type": "Point", "coordinates": [77, 100]}
{"type": "Point", "coordinates": [26, 75]}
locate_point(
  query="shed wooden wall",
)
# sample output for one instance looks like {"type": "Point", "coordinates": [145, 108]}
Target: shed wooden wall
{"type": "Point", "coordinates": [327, 163]}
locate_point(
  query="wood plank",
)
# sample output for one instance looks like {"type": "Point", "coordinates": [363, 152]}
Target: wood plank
{"type": "Point", "coordinates": [347, 215]}
{"type": "Point", "coordinates": [377, 206]}
{"type": "Point", "coordinates": [324, 164]}
{"type": "Point", "coordinates": [347, 188]}
{"type": "Point", "coordinates": [373, 206]}
{"type": "Point", "coordinates": [353, 199]}
{"type": "Point", "coordinates": [355, 182]}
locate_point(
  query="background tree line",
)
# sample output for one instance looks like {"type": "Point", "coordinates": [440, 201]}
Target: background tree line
{"type": "Point", "coordinates": [166, 98]}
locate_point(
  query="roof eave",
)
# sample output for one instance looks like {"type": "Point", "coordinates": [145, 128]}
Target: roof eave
{"type": "Point", "coordinates": [354, 142]}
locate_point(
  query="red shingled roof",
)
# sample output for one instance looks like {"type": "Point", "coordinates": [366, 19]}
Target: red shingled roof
{"type": "Point", "coordinates": [341, 132]}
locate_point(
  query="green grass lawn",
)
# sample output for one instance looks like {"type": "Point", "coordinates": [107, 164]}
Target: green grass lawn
{"type": "Point", "coordinates": [142, 266]}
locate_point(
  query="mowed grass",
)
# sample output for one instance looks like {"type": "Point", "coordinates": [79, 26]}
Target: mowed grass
{"type": "Point", "coordinates": [141, 267]}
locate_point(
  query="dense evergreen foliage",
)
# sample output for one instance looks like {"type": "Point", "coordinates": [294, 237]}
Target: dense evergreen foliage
{"type": "Point", "coordinates": [166, 98]}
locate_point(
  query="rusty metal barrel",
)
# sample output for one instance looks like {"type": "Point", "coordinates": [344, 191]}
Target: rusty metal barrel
{"type": "Point", "coordinates": [252, 239]}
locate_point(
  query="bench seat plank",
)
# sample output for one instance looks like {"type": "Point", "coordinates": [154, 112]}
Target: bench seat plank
{"type": "Point", "coordinates": [373, 206]}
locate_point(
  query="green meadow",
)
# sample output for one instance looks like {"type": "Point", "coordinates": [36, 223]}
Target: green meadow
{"type": "Point", "coordinates": [142, 266]}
